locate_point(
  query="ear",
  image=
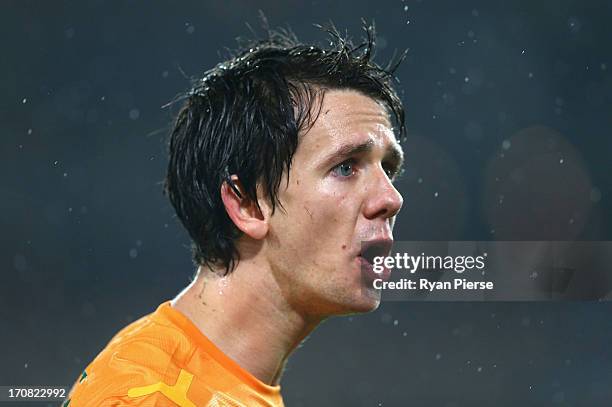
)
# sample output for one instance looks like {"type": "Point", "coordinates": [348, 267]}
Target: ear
{"type": "Point", "coordinates": [243, 211]}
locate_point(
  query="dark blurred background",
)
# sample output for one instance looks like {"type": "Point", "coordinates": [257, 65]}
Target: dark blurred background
{"type": "Point", "coordinates": [509, 116]}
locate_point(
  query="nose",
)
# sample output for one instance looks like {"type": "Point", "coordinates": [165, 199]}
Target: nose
{"type": "Point", "coordinates": [383, 200]}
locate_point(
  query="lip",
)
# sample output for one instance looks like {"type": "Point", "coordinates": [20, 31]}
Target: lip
{"type": "Point", "coordinates": [368, 274]}
{"type": "Point", "coordinates": [379, 247]}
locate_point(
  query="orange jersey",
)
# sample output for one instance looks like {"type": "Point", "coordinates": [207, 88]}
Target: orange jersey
{"type": "Point", "coordinates": [163, 359]}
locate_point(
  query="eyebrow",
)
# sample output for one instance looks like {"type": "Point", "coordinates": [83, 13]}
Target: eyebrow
{"type": "Point", "coordinates": [392, 153]}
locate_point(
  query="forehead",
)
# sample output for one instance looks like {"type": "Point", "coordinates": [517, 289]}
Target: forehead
{"type": "Point", "coordinates": [348, 116]}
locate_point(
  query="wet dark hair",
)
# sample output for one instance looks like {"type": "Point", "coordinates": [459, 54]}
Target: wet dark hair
{"type": "Point", "coordinates": [245, 116]}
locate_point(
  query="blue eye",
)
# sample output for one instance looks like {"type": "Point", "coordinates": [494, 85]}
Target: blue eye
{"type": "Point", "coordinates": [344, 169]}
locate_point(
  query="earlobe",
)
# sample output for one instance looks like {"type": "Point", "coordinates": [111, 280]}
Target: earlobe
{"type": "Point", "coordinates": [243, 211]}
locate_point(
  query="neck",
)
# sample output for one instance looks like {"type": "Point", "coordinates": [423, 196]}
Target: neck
{"type": "Point", "coordinates": [245, 315]}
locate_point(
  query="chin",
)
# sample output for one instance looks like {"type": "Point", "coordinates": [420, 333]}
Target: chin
{"type": "Point", "coordinates": [365, 301]}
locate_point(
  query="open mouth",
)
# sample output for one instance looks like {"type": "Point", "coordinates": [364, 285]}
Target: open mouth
{"type": "Point", "coordinates": [370, 257]}
{"type": "Point", "coordinates": [375, 248]}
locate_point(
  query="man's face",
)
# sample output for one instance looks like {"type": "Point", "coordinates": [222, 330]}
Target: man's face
{"type": "Point", "coordinates": [339, 195]}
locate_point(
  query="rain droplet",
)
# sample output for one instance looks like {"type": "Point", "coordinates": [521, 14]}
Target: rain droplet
{"type": "Point", "coordinates": [506, 144]}
{"type": "Point", "coordinates": [595, 195]}
{"type": "Point", "coordinates": [29, 131]}
{"type": "Point", "coordinates": [24, 101]}
{"type": "Point", "coordinates": [436, 194]}
{"type": "Point", "coordinates": [19, 262]}
{"type": "Point", "coordinates": [133, 253]}
{"type": "Point", "coordinates": [134, 114]}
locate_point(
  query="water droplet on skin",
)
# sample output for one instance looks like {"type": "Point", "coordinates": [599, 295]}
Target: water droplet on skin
{"type": "Point", "coordinates": [222, 285]}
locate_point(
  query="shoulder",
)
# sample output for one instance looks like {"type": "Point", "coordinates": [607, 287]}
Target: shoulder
{"type": "Point", "coordinates": [140, 356]}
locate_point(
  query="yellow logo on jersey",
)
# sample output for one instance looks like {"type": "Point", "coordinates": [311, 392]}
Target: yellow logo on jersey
{"type": "Point", "coordinates": [176, 393]}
